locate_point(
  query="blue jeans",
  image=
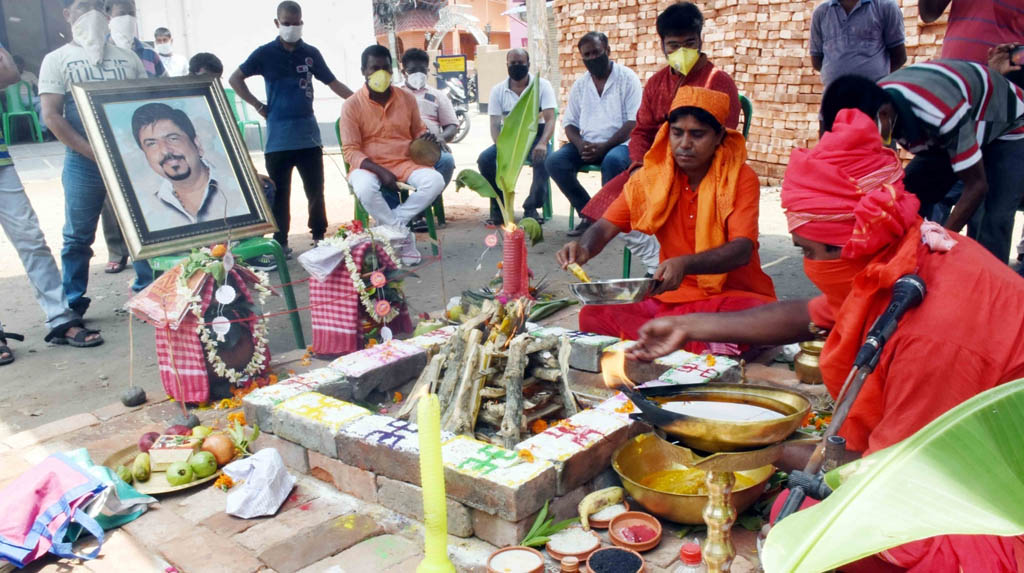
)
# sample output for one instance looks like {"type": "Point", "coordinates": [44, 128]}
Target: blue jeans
{"type": "Point", "coordinates": [564, 166]}
{"type": "Point", "coordinates": [84, 194]}
{"type": "Point", "coordinates": [930, 176]}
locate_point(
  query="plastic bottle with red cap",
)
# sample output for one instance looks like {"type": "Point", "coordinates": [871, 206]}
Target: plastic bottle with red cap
{"type": "Point", "coordinates": [689, 555]}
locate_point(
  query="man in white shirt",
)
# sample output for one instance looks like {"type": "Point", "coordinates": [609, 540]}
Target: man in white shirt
{"type": "Point", "coordinates": [175, 64]}
{"type": "Point", "coordinates": [88, 57]}
{"type": "Point", "coordinates": [504, 97]}
{"type": "Point", "coordinates": [191, 191]}
{"type": "Point", "coordinates": [598, 119]}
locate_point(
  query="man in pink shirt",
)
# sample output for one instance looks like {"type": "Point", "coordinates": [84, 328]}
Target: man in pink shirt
{"type": "Point", "coordinates": [378, 123]}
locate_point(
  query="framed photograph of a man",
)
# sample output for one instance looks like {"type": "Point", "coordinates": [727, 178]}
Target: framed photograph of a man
{"type": "Point", "coordinates": [176, 169]}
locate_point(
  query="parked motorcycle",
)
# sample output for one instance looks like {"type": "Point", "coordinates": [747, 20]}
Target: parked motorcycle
{"type": "Point", "coordinates": [456, 92]}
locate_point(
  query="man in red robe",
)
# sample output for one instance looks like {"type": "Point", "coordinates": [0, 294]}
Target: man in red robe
{"type": "Point", "coordinates": [859, 231]}
{"type": "Point", "coordinates": [679, 27]}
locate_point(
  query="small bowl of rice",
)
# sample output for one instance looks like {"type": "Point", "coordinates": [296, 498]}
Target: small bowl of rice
{"type": "Point", "coordinates": [601, 519]}
{"type": "Point", "coordinates": [573, 542]}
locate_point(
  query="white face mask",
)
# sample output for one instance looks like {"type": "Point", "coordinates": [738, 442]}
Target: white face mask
{"type": "Point", "coordinates": [123, 30]}
{"type": "Point", "coordinates": [165, 49]}
{"type": "Point", "coordinates": [416, 81]}
{"type": "Point", "coordinates": [90, 31]}
{"type": "Point", "coordinates": [290, 34]}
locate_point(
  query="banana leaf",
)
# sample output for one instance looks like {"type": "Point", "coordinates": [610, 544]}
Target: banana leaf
{"type": "Point", "coordinates": [515, 143]}
{"type": "Point", "coordinates": [961, 474]}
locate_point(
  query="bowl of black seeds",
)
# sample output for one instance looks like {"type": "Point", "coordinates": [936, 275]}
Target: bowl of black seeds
{"type": "Point", "coordinates": [615, 560]}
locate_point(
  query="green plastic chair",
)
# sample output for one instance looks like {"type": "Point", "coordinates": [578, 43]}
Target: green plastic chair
{"type": "Point", "coordinates": [748, 114]}
{"type": "Point", "coordinates": [437, 209]}
{"type": "Point", "coordinates": [249, 249]}
{"type": "Point", "coordinates": [18, 105]}
{"type": "Point", "coordinates": [242, 119]}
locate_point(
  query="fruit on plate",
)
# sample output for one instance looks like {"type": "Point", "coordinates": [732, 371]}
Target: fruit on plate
{"type": "Point", "coordinates": [147, 440]}
{"type": "Point", "coordinates": [178, 430]}
{"type": "Point", "coordinates": [221, 446]}
{"type": "Point", "coordinates": [179, 473]}
{"type": "Point", "coordinates": [140, 467]}
{"type": "Point", "coordinates": [124, 473]}
{"type": "Point", "coordinates": [201, 431]}
{"type": "Point", "coordinates": [203, 464]}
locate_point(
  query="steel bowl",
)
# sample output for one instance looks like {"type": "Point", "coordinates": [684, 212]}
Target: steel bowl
{"type": "Point", "coordinates": [712, 435]}
{"type": "Point", "coordinates": [620, 291]}
{"type": "Point", "coordinates": [646, 454]}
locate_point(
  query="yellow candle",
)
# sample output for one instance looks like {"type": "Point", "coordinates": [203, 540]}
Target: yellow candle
{"type": "Point", "coordinates": [435, 516]}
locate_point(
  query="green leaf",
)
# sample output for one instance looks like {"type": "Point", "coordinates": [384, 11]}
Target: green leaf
{"type": "Point", "coordinates": [536, 542]}
{"type": "Point", "coordinates": [537, 523]}
{"type": "Point", "coordinates": [533, 230]}
{"type": "Point", "coordinates": [475, 182]}
{"type": "Point", "coordinates": [562, 525]}
{"type": "Point", "coordinates": [962, 474]}
{"type": "Point", "coordinates": [216, 270]}
{"type": "Point", "coordinates": [515, 141]}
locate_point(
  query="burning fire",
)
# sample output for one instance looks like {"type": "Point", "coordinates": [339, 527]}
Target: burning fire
{"type": "Point", "coordinates": [613, 370]}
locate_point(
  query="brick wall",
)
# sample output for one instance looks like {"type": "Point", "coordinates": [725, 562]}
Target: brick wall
{"type": "Point", "coordinates": [762, 43]}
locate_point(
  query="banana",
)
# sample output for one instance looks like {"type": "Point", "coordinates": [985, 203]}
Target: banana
{"type": "Point", "coordinates": [597, 501]}
{"type": "Point", "coordinates": [124, 473]}
{"type": "Point", "coordinates": [578, 272]}
{"type": "Point", "coordinates": [140, 467]}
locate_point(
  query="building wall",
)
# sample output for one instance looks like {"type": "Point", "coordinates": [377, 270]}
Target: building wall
{"type": "Point", "coordinates": [762, 44]}
{"type": "Point", "coordinates": [232, 29]}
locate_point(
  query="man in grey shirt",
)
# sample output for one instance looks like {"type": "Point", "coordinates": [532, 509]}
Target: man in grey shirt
{"type": "Point", "coordinates": [863, 37]}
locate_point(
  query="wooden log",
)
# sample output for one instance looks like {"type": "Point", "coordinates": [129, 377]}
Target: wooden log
{"type": "Point", "coordinates": [451, 373]}
{"type": "Point", "coordinates": [455, 415]}
{"type": "Point", "coordinates": [549, 374]}
{"type": "Point", "coordinates": [568, 397]}
{"type": "Point", "coordinates": [425, 384]}
{"type": "Point", "coordinates": [514, 373]}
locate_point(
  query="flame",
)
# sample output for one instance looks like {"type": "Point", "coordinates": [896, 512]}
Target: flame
{"type": "Point", "coordinates": [613, 370]}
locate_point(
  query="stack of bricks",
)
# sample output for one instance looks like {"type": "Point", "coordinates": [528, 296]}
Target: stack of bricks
{"type": "Point", "coordinates": [763, 44]}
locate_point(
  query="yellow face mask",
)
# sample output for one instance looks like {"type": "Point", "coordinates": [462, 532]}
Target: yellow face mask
{"type": "Point", "coordinates": [683, 60]}
{"type": "Point", "coordinates": [379, 81]}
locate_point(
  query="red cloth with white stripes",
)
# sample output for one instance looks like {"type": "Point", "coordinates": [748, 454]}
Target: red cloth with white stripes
{"type": "Point", "coordinates": [179, 351]}
{"type": "Point", "coordinates": [335, 306]}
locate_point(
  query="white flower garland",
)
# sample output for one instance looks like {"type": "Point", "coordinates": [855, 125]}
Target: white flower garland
{"type": "Point", "coordinates": [345, 246]}
{"type": "Point", "coordinates": [259, 333]}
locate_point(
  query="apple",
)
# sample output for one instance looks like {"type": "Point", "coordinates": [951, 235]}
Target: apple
{"type": "Point", "coordinates": [179, 473]}
{"type": "Point", "coordinates": [201, 431]}
{"type": "Point", "coordinates": [203, 464]}
{"type": "Point", "coordinates": [146, 441]}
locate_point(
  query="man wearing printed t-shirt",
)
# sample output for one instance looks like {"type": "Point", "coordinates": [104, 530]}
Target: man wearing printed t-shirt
{"type": "Point", "coordinates": [288, 66]}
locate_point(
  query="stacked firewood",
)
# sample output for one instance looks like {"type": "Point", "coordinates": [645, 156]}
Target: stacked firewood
{"type": "Point", "coordinates": [494, 380]}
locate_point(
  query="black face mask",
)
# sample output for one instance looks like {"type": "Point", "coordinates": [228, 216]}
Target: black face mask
{"type": "Point", "coordinates": [518, 71]}
{"type": "Point", "coordinates": [598, 67]}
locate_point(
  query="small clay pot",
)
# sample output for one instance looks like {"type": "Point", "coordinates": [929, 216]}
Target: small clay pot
{"type": "Point", "coordinates": [806, 364]}
{"type": "Point", "coordinates": [582, 556]}
{"type": "Point", "coordinates": [540, 558]}
{"type": "Point", "coordinates": [642, 562]}
{"type": "Point", "coordinates": [603, 524]}
{"type": "Point", "coordinates": [631, 518]}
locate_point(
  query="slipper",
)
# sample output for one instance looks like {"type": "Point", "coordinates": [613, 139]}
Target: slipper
{"type": "Point", "coordinates": [114, 267]}
{"type": "Point", "coordinates": [79, 339]}
{"type": "Point", "coordinates": [4, 349]}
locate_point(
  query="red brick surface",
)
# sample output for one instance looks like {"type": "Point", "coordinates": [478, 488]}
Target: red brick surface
{"type": "Point", "coordinates": [763, 44]}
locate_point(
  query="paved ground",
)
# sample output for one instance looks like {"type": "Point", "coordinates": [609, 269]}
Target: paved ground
{"type": "Point", "coordinates": [48, 383]}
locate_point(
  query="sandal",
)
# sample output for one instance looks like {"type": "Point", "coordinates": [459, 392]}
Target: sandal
{"type": "Point", "coordinates": [114, 267]}
{"type": "Point", "coordinates": [79, 340]}
{"type": "Point", "coordinates": [4, 349]}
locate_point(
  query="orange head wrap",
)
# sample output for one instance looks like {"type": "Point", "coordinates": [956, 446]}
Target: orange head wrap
{"type": "Point", "coordinates": [848, 190]}
{"type": "Point", "coordinates": [652, 190]}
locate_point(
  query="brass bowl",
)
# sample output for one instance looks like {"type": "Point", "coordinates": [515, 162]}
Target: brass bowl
{"type": "Point", "coordinates": [645, 455]}
{"type": "Point", "coordinates": [712, 435]}
{"type": "Point", "coordinates": [806, 364]}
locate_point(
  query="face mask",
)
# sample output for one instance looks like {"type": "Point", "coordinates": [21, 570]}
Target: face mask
{"type": "Point", "coordinates": [90, 31]}
{"type": "Point", "coordinates": [416, 80]}
{"type": "Point", "coordinates": [290, 34]}
{"type": "Point", "coordinates": [165, 49]}
{"type": "Point", "coordinates": [833, 278]}
{"type": "Point", "coordinates": [518, 71]}
{"type": "Point", "coordinates": [122, 31]}
{"type": "Point", "coordinates": [597, 66]}
{"type": "Point", "coordinates": [379, 81]}
{"type": "Point", "coordinates": [683, 60]}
